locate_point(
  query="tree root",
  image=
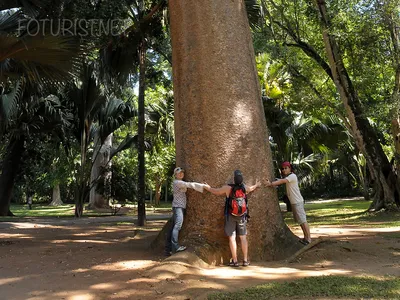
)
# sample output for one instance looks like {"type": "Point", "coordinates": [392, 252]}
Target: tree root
{"type": "Point", "coordinates": [304, 249]}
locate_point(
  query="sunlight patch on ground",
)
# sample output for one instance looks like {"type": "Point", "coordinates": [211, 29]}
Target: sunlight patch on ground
{"type": "Point", "coordinates": [80, 241]}
{"type": "Point", "coordinates": [102, 286]}
{"type": "Point", "coordinates": [10, 280]}
{"type": "Point", "coordinates": [94, 232]}
{"type": "Point", "coordinates": [80, 270]}
{"type": "Point", "coordinates": [27, 225]}
{"type": "Point", "coordinates": [268, 273]}
{"type": "Point", "coordinates": [15, 235]}
{"type": "Point", "coordinates": [77, 295]}
{"type": "Point", "coordinates": [124, 265]}
{"type": "Point", "coordinates": [348, 231]}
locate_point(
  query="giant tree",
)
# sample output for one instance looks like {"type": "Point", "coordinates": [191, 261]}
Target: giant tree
{"type": "Point", "coordinates": [220, 126]}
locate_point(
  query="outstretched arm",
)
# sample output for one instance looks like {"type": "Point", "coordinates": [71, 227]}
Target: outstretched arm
{"type": "Point", "coordinates": [276, 182]}
{"type": "Point", "coordinates": [253, 187]}
{"type": "Point", "coordinates": [225, 190]}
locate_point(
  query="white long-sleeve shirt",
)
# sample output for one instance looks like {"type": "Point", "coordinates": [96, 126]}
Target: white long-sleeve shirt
{"type": "Point", "coordinates": [179, 188]}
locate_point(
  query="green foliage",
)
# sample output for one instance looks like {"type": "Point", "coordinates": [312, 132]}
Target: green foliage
{"type": "Point", "coordinates": [346, 212]}
{"type": "Point", "coordinates": [323, 286]}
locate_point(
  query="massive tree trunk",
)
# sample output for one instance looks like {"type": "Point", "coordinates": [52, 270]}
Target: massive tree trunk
{"type": "Point", "coordinates": [385, 181]}
{"type": "Point", "coordinates": [101, 174]}
{"type": "Point", "coordinates": [141, 127]}
{"type": "Point", "coordinates": [11, 163]}
{"type": "Point", "coordinates": [220, 126]}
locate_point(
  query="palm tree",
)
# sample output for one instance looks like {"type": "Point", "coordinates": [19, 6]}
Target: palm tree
{"type": "Point", "coordinates": [110, 117]}
{"type": "Point", "coordinates": [127, 56]}
{"type": "Point", "coordinates": [34, 116]}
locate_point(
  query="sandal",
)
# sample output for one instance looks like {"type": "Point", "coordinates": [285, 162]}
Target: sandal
{"type": "Point", "coordinates": [304, 242]}
{"type": "Point", "coordinates": [246, 263]}
{"type": "Point", "coordinates": [234, 264]}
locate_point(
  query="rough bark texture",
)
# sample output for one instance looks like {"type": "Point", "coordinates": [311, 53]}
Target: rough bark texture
{"type": "Point", "coordinates": [100, 175]}
{"type": "Point", "coordinates": [220, 127]}
{"type": "Point", "coordinates": [10, 167]}
{"type": "Point", "coordinates": [56, 197]}
{"type": "Point", "coordinates": [385, 180]}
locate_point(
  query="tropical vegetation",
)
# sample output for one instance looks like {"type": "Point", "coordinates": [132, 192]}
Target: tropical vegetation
{"type": "Point", "coordinates": [89, 120]}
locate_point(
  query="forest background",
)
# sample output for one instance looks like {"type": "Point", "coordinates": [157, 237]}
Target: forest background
{"type": "Point", "coordinates": [89, 119]}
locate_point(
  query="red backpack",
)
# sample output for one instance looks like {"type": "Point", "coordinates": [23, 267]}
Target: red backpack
{"type": "Point", "coordinates": [237, 200]}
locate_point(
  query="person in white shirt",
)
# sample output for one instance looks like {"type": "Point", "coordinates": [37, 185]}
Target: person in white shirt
{"type": "Point", "coordinates": [179, 188]}
{"type": "Point", "coordinates": [295, 198]}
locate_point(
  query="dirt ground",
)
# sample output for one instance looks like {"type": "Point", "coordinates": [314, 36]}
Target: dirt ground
{"type": "Point", "coordinates": [89, 260]}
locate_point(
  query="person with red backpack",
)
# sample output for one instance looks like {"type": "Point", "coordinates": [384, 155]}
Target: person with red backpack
{"type": "Point", "coordinates": [236, 214]}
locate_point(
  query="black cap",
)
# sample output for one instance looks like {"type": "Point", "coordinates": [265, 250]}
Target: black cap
{"type": "Point", "coordinates": [237, 177]}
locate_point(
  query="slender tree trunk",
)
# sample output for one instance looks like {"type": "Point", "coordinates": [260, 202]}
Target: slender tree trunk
{"type": "Point", "coordinates": [100, 174]}
{"type": "Point", "coordinates": [141, 125]}
{"type": "Point", "coordinates": [363, 133]}
{"type": "Point", "coordinates": [81, 178]}
{"type": "Point", "coordinates": [157, 193]}
{"type": "Point", "coordinates": [56, 197]}
{"type": "Point", "coordinates": [220, 126]}
{"type": "Point", "coordinates": [10, 167]}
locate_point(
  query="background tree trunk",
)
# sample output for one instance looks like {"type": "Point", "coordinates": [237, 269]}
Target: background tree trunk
{"type": "Point", "coordinates": [157, 193]}
{"type": "Point", "coordinates": [141, 127]}
{"type": "Point", "coordinates": [100, 174]}
{"type": "Point", "coordinates": [56, 197]}
{"type": "Point", "coordinates": [385, 181]}
{"type": "Point", "coordinates": [220, 126]}
{"type": "Point", "coordinates": [9, 171]}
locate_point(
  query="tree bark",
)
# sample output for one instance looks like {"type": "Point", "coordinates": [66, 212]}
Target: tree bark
{"type": "Point", "coordinates": [141, 146]}
{"type": "Point", "coordinates": [100, 174]}
{"type": "Point", "coordinates": [364, 136]}
{"type": "Point", "coordinates": [11, 164]}
{"type": "Point", "coordinates": [56, 197]}
{"type": "Point", "coordinates": [220, 126]}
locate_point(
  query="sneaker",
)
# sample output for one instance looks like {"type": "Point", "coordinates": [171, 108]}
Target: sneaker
{"type": "Point", "coordinates": [233, 264]}
{"type": "Point", "coordinates": [246, 263]}
{"type": "Point", "coordinates": [181, 248]}
{"type": "Point", "coordinates": [167, 253]}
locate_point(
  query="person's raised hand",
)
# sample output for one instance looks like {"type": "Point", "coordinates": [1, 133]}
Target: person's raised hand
{"type": "Point", "coordinates": [206, 186]}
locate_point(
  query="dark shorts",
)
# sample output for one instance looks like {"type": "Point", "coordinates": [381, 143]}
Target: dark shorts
{"type": "Point", "coordinates": [235, 225]}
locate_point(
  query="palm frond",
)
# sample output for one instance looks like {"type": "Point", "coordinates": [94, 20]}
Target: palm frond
{"type": "Point", "coordinates": [112, 116]}
{"type": "Point", "coordinates": [254, 13]}
{"type": "Point", "coordinates": [41, 57]}
{"type": "Point", "coordinates": [29, 7]}
{"type": "Point", "coordinates": [10, 21]}
{"type": "Point", "coordinates": [129, 142]}
{"type": "Point", "coordinates": [9, 103]}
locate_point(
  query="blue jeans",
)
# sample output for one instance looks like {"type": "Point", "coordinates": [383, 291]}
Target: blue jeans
{"type": "Point", "coordinates": [173, 234]}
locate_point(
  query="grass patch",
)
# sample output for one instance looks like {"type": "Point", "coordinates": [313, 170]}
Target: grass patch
{"type": "Point", "coordinates": [323, 286]}
{"type": "Point", "coordinates": [22, 211]}
{"type": "Point", "coordinates": [346, 212]}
